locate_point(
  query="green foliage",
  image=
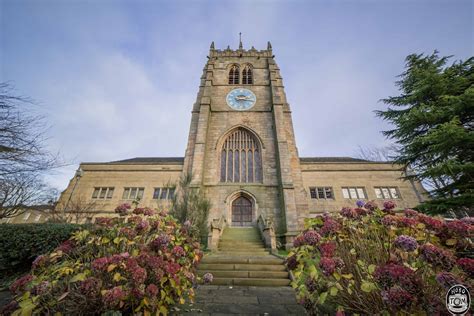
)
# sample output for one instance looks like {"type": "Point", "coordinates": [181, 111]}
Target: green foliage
{"type": "Point", "coordinates": [140, 264]}
{"type": "Point", "coordinates": [371, 262]}
{"type": "Point", "coordinates": [190, 204]}
{"type": "Point", "coordinates": [20, 244]}
{"type": "Point", "coordinates": [434, 120]}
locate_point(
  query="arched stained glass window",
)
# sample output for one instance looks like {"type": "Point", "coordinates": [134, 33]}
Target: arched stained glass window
{"type": "Point", "coordinates": [247, 76]}
{"type": "Point", "coordinates": [241, 159]}
{"type": "Point", "coordinates": [234, 74]}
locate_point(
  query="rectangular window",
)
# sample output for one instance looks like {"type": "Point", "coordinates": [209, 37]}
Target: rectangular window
{"type": "Point", "coordinates": [360, 193]}
{"type": "Point", "coordinates": [110, 193]}
{"type": "Point", "coordinates": [133, 193]}
{"type": "Point", "coordinates": [387, 193]}
{"type": "Point", "coordinates": [171, 194]}
{"type": "Point", "coordinates": [321, 193]}
{"type": "Point", "coordinates": [328, 192]}
{"type": "Point", "coordinates": [345, 193]}
{"type": "Point", "coordinates": [26, 216]}
{"type": "Point", "coordinates": [156, 193]}
{"type": "Point", "coordinates": [353, 193]}
{"type": "Point", "coordinates": [103, 193]}
{"type": "Point", "coordinates": [163, 194]}
{"type": "Point", "coordinates": [378, 193]}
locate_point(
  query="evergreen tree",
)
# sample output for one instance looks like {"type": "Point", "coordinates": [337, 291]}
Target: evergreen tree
{"type": "Point", "coordinates": [433, 120]}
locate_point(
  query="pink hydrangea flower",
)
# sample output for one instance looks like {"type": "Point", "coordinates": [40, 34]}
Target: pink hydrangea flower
{"type": "Point", "coordinates": [311, 237]}
{"type": "Point", "coordinates": [406, 243]}
{"type": "Point", "coordinates": [410, 213]}
{"type": "Point", "coordinates": [397, 298]}
{"type": "Point", "coordinates": [371, 205]}
{"type": "Point", "coordinates": [291, 262]}
{"type": "Point", "coordinates": [122, 209]}
{"type": "Point", "coordinates": [330, 226]}
{"type": "Point", "coordinates": [160, 242]}
{"type": "Point", "coordinates": [389, 205]}
{"type": "Point", "coordinates": [100, 264]}
{"type": "Point", "coordinates": [467, 265]}
{"type": "Point", "coordinates": [67, 246]}
{"type": "Point", "coordinates": [20, 284]}
{"type": "Point", "coordinates": [152, 290]}
{"type": "Point", "coordinates": [311, 284]}
{"type": "Point", "coordinates": [178, 251]}
{"type": "Point", "coordinates": [128, 232]}
{"type": "Point", "coordinates": [207, 278]}
{"type": "Point", "coordinates": [138, 274]}
{"type": "Point", "coordinates": [389, 220]}
{"type": "Point", "coordinates": [459, 228]}
{"type": "Point", "coordinates": [90, 287]}
{"type": "Point", "coordinates": [392, 274]}
{"type": "Point", "coordinates": [430, 222]}
{"type": "Point", "coordinates": [437, 256]}
{"type": "Point", "coordinates": [148, 212]}
{"type": "Point", "coordinates": [39, 262]}
{"type": "Point", "coordinates": [113, 297]}
{"type": "Point", "coordinates": [172, 268]}
{"type": "Point", "coordinates": [407, 222]}
{"type": "Point", "coordinates": [327, 249]}
{"type": "Point", "coordinates": [327, 265]}
{"type": "Point", "coordinates": [41, 288]}
{"type": "Point", "coordinates": [142, 226]}
{"type": "Point", "coordinates": [349, 212]}
{"type": "Point", "coordinates": [299, 241]}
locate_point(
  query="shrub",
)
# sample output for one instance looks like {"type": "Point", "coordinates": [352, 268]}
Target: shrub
{"type": "Point", "coordinates": [371, 261]}
{"type": "Point", "coordinates": [136, 264]}
{"type": "Point", "coordinates": [20, 244]}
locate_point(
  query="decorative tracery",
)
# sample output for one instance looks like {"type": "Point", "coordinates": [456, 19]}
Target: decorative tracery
{"type": "Point", "coordinates": [247, 75]}
{"type": "Point", "coordinates": [234, 74]}
{"type": "Point", "coordinates": [241, 159]}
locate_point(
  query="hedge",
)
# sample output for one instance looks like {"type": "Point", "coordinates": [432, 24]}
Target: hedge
{"type": "Point", "coordinates": [20, 244]}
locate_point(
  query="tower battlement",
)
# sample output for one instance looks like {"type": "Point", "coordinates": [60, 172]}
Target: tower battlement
{"type": "Point", "coordinates": [240, 52]}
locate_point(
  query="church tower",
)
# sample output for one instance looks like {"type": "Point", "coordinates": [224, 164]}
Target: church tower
{"type": "Point", "coordinates": [241, 148]}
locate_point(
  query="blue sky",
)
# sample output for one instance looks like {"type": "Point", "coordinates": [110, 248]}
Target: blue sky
{"type": "Point", "coordinates": [117, 79]}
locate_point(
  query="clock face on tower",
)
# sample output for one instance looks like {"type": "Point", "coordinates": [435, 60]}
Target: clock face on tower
{"type": "Point", "coordinates": [241, 99]}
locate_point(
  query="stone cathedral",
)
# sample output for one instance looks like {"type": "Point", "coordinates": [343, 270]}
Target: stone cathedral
{"type": "Point", "coordinates": [242, 153]}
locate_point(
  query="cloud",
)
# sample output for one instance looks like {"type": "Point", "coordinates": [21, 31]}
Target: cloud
{"type": "Point", "coordinates": [118, 79]}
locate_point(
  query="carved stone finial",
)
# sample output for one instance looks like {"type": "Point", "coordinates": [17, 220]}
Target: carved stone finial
{"type": "Point", "coordinates": [212, 46]}
{"type": "Point", "coordinates": [240, 41]}
{"type": "Point", "coordinates": [269, 46]}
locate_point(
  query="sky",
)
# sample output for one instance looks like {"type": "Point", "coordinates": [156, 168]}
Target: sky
{"type": "Point", "coordinates": [117, 79]}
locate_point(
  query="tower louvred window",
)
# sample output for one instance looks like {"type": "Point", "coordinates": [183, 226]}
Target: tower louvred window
{"type": "Point", "coordinates": [247, 75]}
{"type": "Point", "coordinates": [234, 75]}
{"type": "Point", "coordinates": [241, 159]}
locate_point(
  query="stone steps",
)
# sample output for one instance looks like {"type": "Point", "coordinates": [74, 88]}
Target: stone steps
{"type": "Point", "coordinates": [251, 282]}
{"type": "Point", "coordinates": [241, 267]}
{"type": "Point", "coordinates": [241, 259]}
{"type": "Point", "coordinates": [248, 274]}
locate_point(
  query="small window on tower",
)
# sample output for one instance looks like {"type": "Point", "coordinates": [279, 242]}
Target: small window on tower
{"type": "Point", "coordinates": [247, 75]}
{"type": "Point", "coordinates": [234, 74]}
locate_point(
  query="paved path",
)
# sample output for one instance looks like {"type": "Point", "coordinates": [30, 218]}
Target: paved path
{"type": "Point", "coordinates": [243, 300]}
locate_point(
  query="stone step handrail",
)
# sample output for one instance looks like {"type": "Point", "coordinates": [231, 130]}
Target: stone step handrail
{"type": "Point", "coordinates": [216, 228]}
{"type": "Point", "coordinates": [265, 225]}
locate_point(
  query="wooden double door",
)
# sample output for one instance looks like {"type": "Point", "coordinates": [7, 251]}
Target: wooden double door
{"type": "Point", "coordinates": [242, 212]}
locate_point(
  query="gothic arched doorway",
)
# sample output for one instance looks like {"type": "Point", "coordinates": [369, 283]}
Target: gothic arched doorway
{"type": "Point", "coordinates": [242, 212]}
